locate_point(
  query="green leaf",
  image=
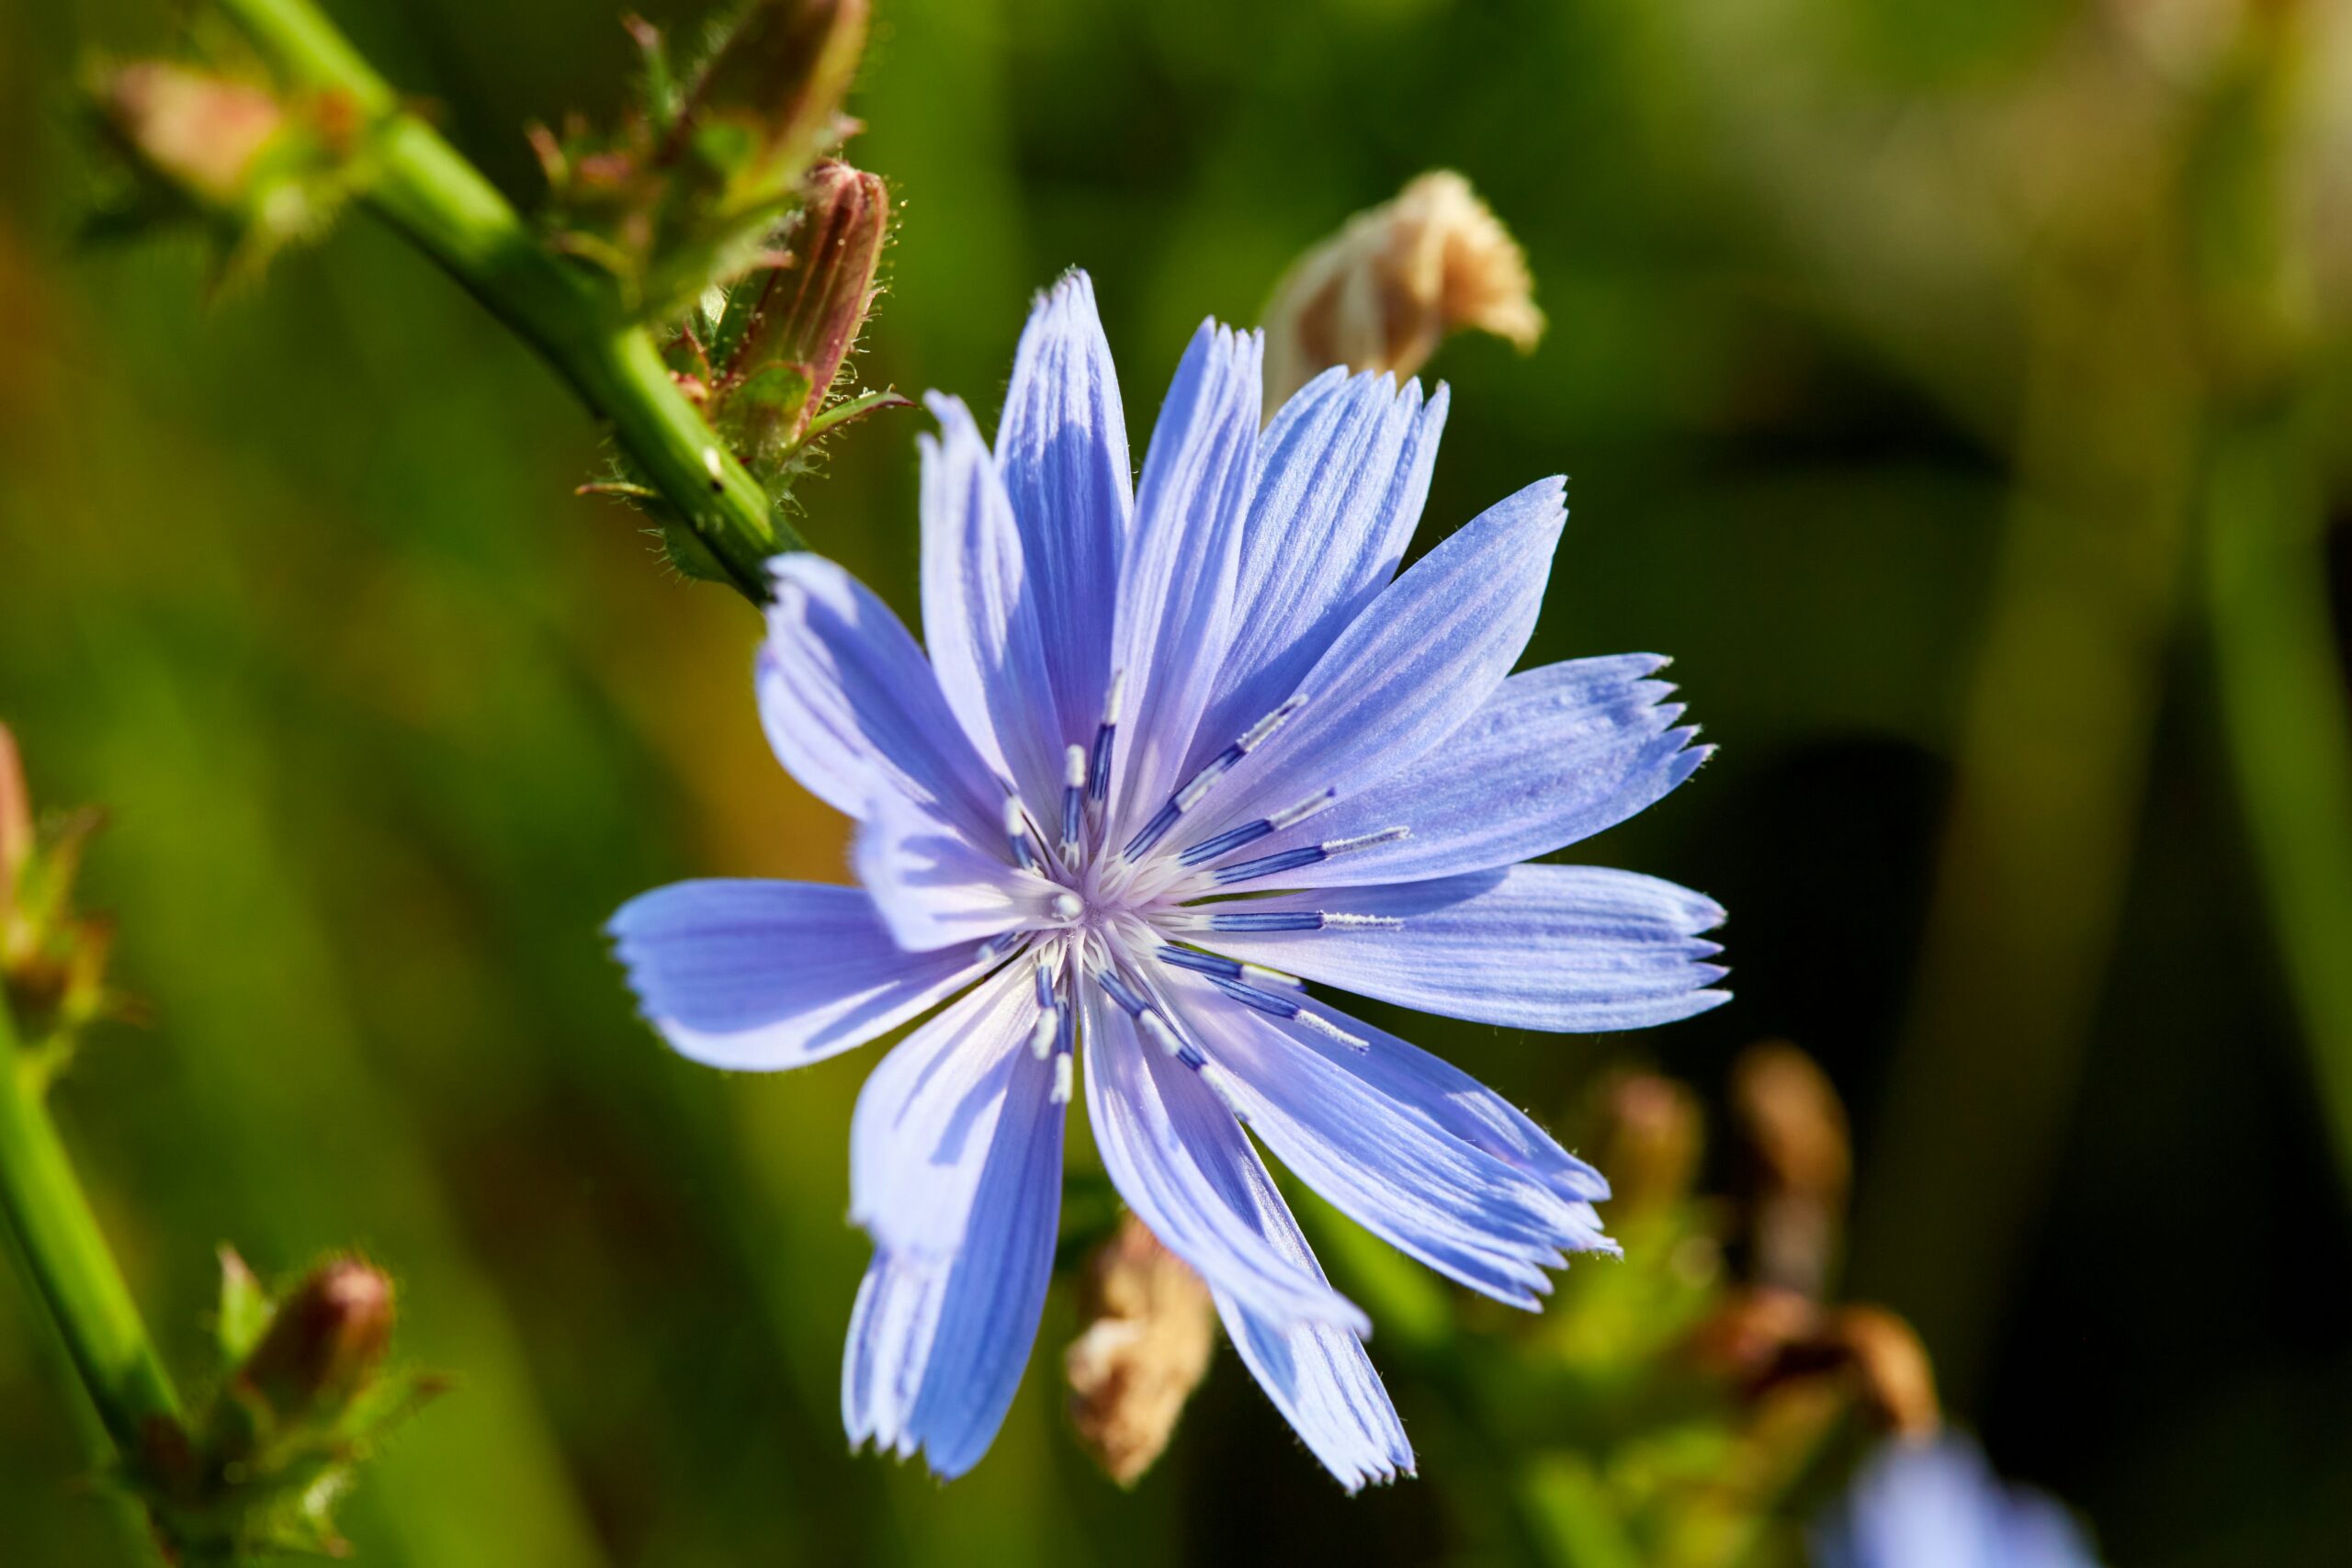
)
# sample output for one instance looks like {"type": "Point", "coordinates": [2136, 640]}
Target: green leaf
{"type": "Point", "coordinates": [855, 408]}
{"type": "Point", "coordinates": [245, 1309]}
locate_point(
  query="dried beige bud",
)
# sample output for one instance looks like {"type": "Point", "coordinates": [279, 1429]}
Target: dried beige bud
{"type": "Point", "coordinates": [1383, 292]}
{"type": "Point", "coordinates": [1800, 1160]}
{"type": "Point", "coordinates": [1144, 1349]}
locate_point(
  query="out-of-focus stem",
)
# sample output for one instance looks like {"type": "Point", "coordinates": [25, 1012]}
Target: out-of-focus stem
{"type": "Point", "coordinates": [429, 192]}
{"type": "Point", "coordinates": [2051, 774]}
{"type": "Point", "coordinates": [68, 1259]}
{"type": "Point", "coordinates": [2290, 735]}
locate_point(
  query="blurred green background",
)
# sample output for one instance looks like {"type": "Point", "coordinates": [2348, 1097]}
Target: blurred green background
{"type": "Point", "coordinates": [1956, 390]}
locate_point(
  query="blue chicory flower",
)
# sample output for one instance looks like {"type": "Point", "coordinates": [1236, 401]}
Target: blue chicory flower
{"type": "Point", "coordinates": [1937, 1505]}
{"type": "Point", "coordinates": [1165, 757]}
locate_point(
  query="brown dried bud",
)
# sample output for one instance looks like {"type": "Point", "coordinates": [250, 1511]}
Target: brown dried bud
{"type": "Point", "coordinates": [1800, 1161]}
{"type": "Point", "coordinates": [1649, 1139]}
{"type": "Point", "coordinates": [324, 1342]}
{"type": "Point", "coordinates": [1145, 1347]}
{"type": "Point", "coordinates": [204, 133]}
{"type": "Point", "coordinates": [1385, 291]}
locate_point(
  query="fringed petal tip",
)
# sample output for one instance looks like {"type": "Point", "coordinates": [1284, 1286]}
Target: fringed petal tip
{"type": "Point", "coordinates": [1391, 1469]}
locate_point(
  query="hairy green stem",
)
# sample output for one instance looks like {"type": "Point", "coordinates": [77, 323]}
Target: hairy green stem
{"type": "Point", "coordinates": [427, 189]}
{"type": "Point", "coordinates": [66, 1255]}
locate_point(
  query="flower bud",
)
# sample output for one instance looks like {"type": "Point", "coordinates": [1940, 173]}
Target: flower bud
{"type": "Point", "coordinates": [1798, 1164]}
{"type": "Point", "coordinates": [16, 820]}
{"type": "Point", "coordinates": [769, 99]}
{"type": "Point", "coordinates": [1144, 1349]}
{"type": "Point", "coordinates": [262, 1465]}
{"type": "Point", "coordinates": [324, 1342]}
{"type": "Point", "coordinates": [52, 961]}
{"type": "Point", "coordinates": [1385, 291]}
{"type": "Point", "coordinates": [789, 329]}
{"type": "Point", "coordinates": [256, 168]}
{"type": "Point", "coordinates": [204, 133]}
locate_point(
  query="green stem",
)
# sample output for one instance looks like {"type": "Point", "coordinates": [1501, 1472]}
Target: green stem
{"type": "Point", "coordinates": [2289, 730]}
{"type": "Point", "coordinates": [427, 189]}
{"type": "Point", "coordinates": [67, 1256]}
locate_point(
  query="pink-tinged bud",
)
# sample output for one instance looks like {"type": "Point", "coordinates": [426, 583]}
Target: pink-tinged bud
{"type": "Point", "coordinates": [204, 133]}
{"type": "Point", "coordinates": [1798, 1162]}
{"type": "Point", "coordinates": [769, 100]}
{"type": "Point", "coordinates": [1385, 291]}
{"type": "Point", "coordinates": [803, 315]}
{"type": "Point", "coordinates": [1150, 1324]}
{"type": "Point", "coordinates": [324, 1343]}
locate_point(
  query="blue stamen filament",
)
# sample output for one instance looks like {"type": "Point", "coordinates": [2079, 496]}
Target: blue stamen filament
{"type": "Point", "coordinates": [1074, 782]}
{"type": "Point", "coordinates": [1197, 788]}
{"type": "Point", "coordinates": [1306, 854]}
{"type": "Point", "coordinates": [1098, 771]}
{"type": "Point", "coordinates": [1251, 832]}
